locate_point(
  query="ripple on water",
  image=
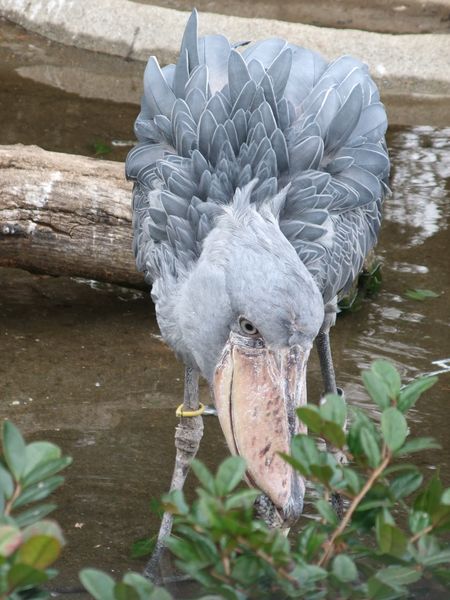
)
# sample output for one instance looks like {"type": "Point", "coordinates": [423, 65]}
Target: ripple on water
{"type": "Point", "coordinates": [419, 181]}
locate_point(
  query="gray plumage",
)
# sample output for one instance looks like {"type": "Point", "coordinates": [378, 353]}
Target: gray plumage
{"type": "Point", "coordinates": [270, 119]}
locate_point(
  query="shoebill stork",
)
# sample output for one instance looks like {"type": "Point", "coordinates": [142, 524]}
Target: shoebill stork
{"type": "Point", "coordinates": [259, 176]}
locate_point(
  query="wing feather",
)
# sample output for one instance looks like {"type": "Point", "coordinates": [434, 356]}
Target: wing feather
{"type": "Point", "coordinates": [271, 112]}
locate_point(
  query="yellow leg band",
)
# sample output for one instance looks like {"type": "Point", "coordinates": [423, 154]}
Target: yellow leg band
{"type": "Point", "coordinates": [190, 413]}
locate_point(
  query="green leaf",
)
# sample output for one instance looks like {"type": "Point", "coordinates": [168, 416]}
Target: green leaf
{"type": "Point", "coordinates": [124, 591]}
{"type": "Point", "coordinates": [45, 470]}
{"type": "Point", "coordinates": [429, 499]}
{"type": "Point", "coordinates": [27, 517]}
{"type": "Point", "coordinates": [333, 433]}
{"type": "Point", "coordinates": [352, 480]}
{"type": "Point", "coordinates": [280, 544]}
{"type": "Point", "coordinates": [371, 504]}
{"type": "Point", "coordinates": [377, 590]}
{"type": "Point", "coordinates": [322, 472]}
{"type": "Point", "coordinates": [182, 548]}
{"type": "Point", "coordinates": [391, 540]}
{"type": "Point", "coordinates": [325, 510]}
{"type": "Point", "coordinates": [300, 466]}
{"type": "Point", "coordinates": [334, 408]}
{"type": "Point", "coordinates": [14, 449]}
{"type": "Point", "coordinates": [204, 475]}
{"type": "Point", "coordinates": [405, 484]}
{"type": "Point", "coordinates": [304, 450]}
{"type": "Point", "coordinates": [399, 467]}
{"type": "Point", "coordinates": [98, 584]}
{"type": "Point", "coordinates": [427, 545]}
{"type": "Point", "coordinates": [246, 570]}
{"type": "Point", "coordinates": [21, 576]}
{"type": "Point", "coordinates": [417, 445]}
{"type": "Point", "coordinates": [436, 559]}
{"type": "Point", "coordinates": [398, 576]}
{"type": "Point", "coordinates": [344, 568]}
{"type": "Point", "coordinates": [229, 474]}
{"type": "Point", "coordinates": [241, 499]}
{"type": "Point", "coordinates": [370, 447]}
{"type": "Point", "coordinates": [145, 588]}
{"type": "Point", "coordinates": [376, 388]}
{"type": "Point", "coordinates": [445, 498]}
{"type": "Point", "coordinates": [143, 547]}
{"type": "Point", "coordinates": [310, 416]}
{"type": "Point", "coordinates": [420, 295]}
{"type": "Point", "coordinates": [309, 574]}
{"type": "Point", "coordinates": [412, 392]}
{"type": "Point", "coordinates": [443, 575]}
{"type": "Point", "coordinates": [394, 428]}
{"type": "Point", "coordinates": [175, 503]}
{"type": "Point", "coordinates": [418, 520]}
{"type": "Point", "coordinates": [310, 541]}
{"type": "Point", "coordinates": [156, 507]}
{"type": "Point", "coordinates": [101, 148]}
{"type": "Point", "coordinates": [10, 539]}
{"type": "Point", "coordinates": [6, 483]}
{"type": "Point", "coordinates": [359, 421]}
{"type": "Point", "coordinates": [193, 547]}
{"type": "Point", "coordinates": [389, 375]}
{"type": "Point", "coordinates": [40, 551]}
{"type": "Point", "coordinates": [38, 453]}
{"type": "Point", "coordinates": [38, 491]}
{"type": "Point", "coordinates": [45, 527]}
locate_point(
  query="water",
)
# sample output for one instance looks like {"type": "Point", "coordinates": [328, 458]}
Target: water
{"type": "Point", "coordinates": [82, 364]}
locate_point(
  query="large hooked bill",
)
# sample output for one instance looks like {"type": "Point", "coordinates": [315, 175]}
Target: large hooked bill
{"type": "Point", "coordinates": [257, 391]}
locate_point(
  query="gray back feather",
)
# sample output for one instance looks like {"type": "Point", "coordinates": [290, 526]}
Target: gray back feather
{"type": "Point", "coordinates": [274, 112]}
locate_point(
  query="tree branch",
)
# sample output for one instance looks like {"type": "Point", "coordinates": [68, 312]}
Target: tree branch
{"type": "Point", "coordinates": [329, 545]}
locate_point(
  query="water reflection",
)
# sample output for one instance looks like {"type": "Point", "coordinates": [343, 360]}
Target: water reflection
{"type": "Point", "coordinates": [420, 181]}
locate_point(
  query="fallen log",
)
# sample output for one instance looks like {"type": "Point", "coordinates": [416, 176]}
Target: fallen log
{"type": "Point", "coordinates": [63, 214]}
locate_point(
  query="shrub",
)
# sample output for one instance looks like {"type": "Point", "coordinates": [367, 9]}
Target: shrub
{"type": "Point", "coordinates": [386, 541]}
{"type": "Point", "coordinates": [390, 536]}
{"type": "Point", "coordinates": [29, 543]}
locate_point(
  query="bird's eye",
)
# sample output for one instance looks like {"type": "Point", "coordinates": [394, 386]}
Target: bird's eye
{"type": "Point", "coordinates": [247, 327]}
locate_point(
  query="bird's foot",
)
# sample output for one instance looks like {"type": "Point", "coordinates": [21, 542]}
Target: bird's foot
{"type": "Point", "coordinates": [160, 569]}
{"type": "Point", "coordinates": [265, 510]}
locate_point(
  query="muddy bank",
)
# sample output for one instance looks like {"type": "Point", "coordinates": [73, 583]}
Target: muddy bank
{"type": "Point", "coordinates": [412, 63]}
{"type": "Point", "coordinates": [383, 16]}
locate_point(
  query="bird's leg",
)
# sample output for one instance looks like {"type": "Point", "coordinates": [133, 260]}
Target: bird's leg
{"type": "Point", "coordinates": [326, 362]}
{"type": "Point", "coordinates": [188, 435]}
{"type": "Point", "coordinates": [324, 349]}
{"type": "Point", "coordinates": [329, 380]}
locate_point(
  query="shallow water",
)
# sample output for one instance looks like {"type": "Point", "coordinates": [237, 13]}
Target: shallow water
{"type": "Point", "coordinates": [82, 363]}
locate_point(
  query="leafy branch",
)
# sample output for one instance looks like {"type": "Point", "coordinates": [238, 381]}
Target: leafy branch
{"type": "Point", "coordinates": [219, 543]}
{"type": "Point", "coordinates": [29, 543]}
{"type": "Point", "coordinates": [376, 474]}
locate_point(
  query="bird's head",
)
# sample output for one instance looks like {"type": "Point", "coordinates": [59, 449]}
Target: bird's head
{"type": "Point", "coordinates": [248, 315]}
